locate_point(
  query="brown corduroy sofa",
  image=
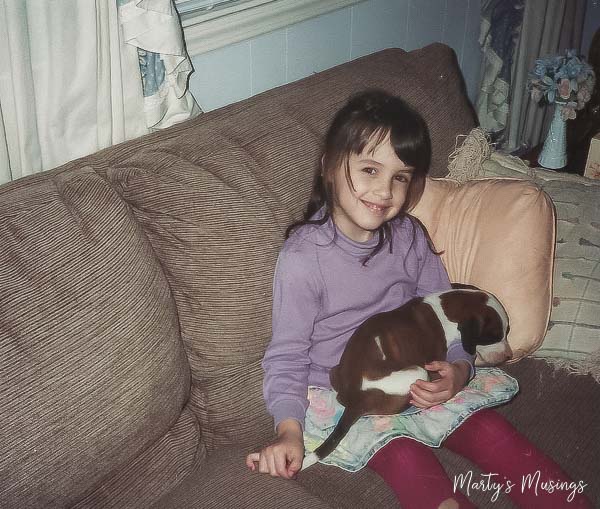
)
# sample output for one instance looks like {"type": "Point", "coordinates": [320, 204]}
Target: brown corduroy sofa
{"type": "Point", "coordinates": [135, 306]}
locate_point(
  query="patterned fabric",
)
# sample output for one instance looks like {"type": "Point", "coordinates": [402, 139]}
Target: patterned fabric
{"type": "Point", "coordinates": [154, 28]}
{"type": "Point", "coordinates": [153, 71]}
{"type": "Point", "coordinates": [500, 27]}
{"type": "Point", "coordinates": [574, 328]}
{"type": "Point", "coordinates": [490, 387]}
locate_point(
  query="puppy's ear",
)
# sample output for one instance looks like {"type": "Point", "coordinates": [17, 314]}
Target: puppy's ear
{"type": "Point", "coordinates": [462, 286]}
{"type": "Point", "coordinates": [470, 332]}
{"type": "Point", "coordinates": [334, 378]}
{"type": "Point", "coordinates": [493, 329]}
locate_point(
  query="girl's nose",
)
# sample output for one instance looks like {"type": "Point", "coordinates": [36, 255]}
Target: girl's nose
{"type": "Point", "coordinates": [384, 189]}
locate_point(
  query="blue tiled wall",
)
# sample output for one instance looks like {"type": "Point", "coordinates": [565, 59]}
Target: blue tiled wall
{"type": "Point", "coordinates": [241, 70]}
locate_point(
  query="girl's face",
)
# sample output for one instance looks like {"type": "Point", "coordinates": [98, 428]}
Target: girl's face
{"type": "Point", "coordinates": [380, 182]}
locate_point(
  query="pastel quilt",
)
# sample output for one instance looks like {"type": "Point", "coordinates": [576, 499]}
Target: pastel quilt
{"type": "Point", "coordinates": [490, 387]}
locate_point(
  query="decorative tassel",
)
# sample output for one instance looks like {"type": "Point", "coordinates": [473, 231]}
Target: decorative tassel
{"type": "Point", "coordinates": [465, 162]}
{"type": "Point", "coordinates": [590, 365]}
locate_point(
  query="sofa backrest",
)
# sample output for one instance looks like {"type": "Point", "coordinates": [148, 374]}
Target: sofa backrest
{"type": "Point", "coordinates": [113, 266]}
{"type": "Point", "coordinates": [215, 201]}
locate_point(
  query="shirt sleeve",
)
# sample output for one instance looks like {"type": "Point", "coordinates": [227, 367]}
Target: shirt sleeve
{"type": "Point", "coordinates": [433, 277]}
{"type": "Point", "coordinates": [456, 352]}
{"type": "Point", "coordinates": [296, 304]}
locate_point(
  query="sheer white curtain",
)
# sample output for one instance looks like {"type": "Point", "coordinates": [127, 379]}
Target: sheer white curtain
{"type": "Point", "coordinates": [70, 80]}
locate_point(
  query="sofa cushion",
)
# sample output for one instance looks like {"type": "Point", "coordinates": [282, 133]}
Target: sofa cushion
{"type": "Point", "coordinates": [497, 234]}
{"type": "Point", "coordinates": [217, 231]}
{"type": "Point", "coordinates": [154, 472]}
{"type": "Point", "coordinates": [213, 487]}
{"type": "Point", "coordinates": [554, 410]}
{"type": "Point", "coordinates": [93, 371]}
{"type": "Point", "coordinates": [320, 486]}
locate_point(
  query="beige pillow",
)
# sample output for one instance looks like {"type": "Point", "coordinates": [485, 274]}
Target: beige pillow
{"type": "Point", "coordinates": [497, 234]}
{"type": "Point", "coordinates": [574, 328]}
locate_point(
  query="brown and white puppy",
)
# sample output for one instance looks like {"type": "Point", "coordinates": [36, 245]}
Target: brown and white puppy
{"type": "Point", "coordinates": [387, 352]}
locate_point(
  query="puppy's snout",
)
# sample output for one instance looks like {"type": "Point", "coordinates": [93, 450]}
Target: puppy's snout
{"type": "Point", "coordinates": [506, 352]}
{"type": "Point", "coordinates": [492, 355]}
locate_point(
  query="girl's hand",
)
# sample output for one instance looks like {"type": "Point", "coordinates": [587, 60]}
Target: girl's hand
{"type": "Point", "coordinates": [453, 378]}
{"type": "Point", "coordinates": [283, 458]}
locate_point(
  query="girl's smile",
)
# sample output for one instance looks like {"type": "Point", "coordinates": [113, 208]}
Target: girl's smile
{"type": "Point", "coordinates": [376, 209]}
{"type": "Point", "coordinates": [373, 191]}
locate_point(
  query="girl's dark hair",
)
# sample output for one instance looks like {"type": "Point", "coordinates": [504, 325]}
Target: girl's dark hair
{"type": "Point", "coordinates": [368, 118]}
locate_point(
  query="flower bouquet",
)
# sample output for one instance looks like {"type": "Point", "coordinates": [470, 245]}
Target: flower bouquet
{"type": "Point", "coordinates": [566, 81]}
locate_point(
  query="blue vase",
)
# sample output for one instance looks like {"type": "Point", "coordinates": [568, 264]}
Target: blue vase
{"type": "Point", "coordinates": [554, 152]}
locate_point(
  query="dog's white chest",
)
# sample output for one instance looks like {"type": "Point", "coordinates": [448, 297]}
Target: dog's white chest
{"type": "Point", "coordinates": [451, 331]}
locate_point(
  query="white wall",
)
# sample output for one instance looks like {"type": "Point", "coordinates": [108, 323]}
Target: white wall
{"type": "Point", "coordinates": [241, 70]}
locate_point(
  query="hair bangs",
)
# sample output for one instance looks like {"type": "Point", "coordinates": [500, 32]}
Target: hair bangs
{"type": "Point", "coordinates": [363, 135]}
{"type": "Point", "coordinates": [411, 143]}
{"type": "Point", "coordinates": [376, 136]}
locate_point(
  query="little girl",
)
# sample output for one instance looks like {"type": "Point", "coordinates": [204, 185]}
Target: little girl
{"type": "Point", "coordinates": [358, 252]}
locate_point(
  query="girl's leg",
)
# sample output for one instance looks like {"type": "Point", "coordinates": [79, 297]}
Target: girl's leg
{"type": "Point", "coordinates": [416, 476]}
{"type": "Point", "coordinates": [491, 442]}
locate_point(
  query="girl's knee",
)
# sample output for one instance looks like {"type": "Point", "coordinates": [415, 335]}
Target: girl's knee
{"type": "Point", "coordinates": [406, 447]}
{"type": "Point", "coordinates": [485, 430]}
{"type": "Point", "coordinates": [488, 424]}
{"type": "Point", "coordinates": [449, 503]}
{"type": "Point", "coordinates": [402, 452]}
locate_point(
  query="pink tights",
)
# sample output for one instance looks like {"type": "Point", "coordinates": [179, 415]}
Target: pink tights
{"type": "Point", "coordinates": [492, 443]}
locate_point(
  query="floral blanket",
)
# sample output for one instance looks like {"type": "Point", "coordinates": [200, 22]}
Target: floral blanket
{"type": "Point", "coordinates": [490, 387]}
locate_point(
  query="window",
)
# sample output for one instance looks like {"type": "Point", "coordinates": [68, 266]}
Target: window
{"type": "Point", "coordinates": [196, 6]}
{"type": "Point", "coordinates": [212, 24]}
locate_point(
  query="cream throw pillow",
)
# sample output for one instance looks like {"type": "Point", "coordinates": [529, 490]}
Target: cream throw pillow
{"type": "Point", "coordinates": [497, 234]}
{"type": "Point", "coordinates": [574, 328]}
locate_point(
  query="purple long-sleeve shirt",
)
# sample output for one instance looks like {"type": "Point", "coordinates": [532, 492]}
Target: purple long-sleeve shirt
{"type": "Point", "coordinates": [322, 292]}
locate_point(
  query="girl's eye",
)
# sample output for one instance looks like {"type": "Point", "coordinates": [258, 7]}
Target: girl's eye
{"type": "Point", "coordinates": [370, 171]}
{"type": "Point", "coordinates": [401, 178]}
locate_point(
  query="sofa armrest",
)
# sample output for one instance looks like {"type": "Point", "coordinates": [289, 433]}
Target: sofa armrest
{"type": "Point", "coordinates": [497, 234]}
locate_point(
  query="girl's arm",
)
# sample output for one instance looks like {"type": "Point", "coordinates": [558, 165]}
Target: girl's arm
{"type": "Point", "coordinates": [283, 457]}
{"type": "Point", "coordinates": [453, 378]}
{"type": "Point", "coordinates": [296, 304]}
{"type": "Point", "coordinates": [433, 278]}
{"type": "Point", "coordinates": [286, 363]}
{"type": "Point", "coordinates": [458, 368]}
